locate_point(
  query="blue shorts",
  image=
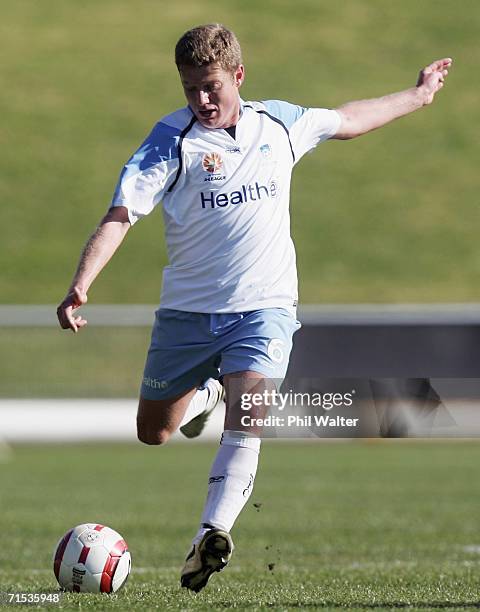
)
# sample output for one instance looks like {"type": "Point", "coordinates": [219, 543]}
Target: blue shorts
{"type": "Point", "coordinates": [189, 347]}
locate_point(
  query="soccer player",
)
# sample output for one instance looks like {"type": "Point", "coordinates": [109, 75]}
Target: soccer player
{"type": "Point", "coordinates": [221, 169]}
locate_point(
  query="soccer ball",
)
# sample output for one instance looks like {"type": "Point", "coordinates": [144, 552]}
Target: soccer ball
{"type": "Point", "coordinates": [91, 558]}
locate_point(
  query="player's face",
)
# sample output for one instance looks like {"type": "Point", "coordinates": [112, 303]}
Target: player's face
{"type": "Point", "coordinates": [212, 94]}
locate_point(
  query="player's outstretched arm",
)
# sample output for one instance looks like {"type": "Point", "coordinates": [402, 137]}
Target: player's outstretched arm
{"type": "Point", "coordinates": [364, 116]}
{"type": "Point", "coordinates": [97, 252]}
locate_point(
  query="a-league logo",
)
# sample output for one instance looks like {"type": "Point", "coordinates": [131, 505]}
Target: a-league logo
{"type": "Point", "coordinates": [212, 162]}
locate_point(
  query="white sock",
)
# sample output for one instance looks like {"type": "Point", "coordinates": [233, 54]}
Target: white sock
{"type": "Point", "coordinates": [230, 482]}
{"type": "Point", "coordinates": [197, 404]}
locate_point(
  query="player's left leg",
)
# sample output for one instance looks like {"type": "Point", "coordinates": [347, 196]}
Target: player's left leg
{"type": "Point", "coordinates": [262, 342]}
{"type": "Point", "coordinates": [180, 358]}
{"type": "Point", "coordinates": [230, 483]}
{"type": "Point", "coordinates": [233, 472]}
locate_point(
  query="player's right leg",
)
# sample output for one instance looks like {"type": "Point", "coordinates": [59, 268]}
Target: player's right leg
{"type": "Point", "coordinates": [206, 400]}
{"type": "Point", "coordinates": [179, 360]}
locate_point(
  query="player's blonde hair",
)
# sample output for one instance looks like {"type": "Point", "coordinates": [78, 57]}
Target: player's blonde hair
{"type": "Point", "coordinates": [209, 44]}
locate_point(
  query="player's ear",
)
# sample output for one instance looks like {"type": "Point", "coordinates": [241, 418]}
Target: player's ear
{"type": "Point", "coordinates": [239, 75]}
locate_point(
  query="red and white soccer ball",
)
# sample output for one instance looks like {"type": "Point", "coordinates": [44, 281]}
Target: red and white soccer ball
{"type": "Point", "coordinates": [91, 558]}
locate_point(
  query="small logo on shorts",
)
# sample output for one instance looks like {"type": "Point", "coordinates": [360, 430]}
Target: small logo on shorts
{"type": "Point", "coordinates": [154, 383]}
{"type": "Point", "coordinates": [275, 350]}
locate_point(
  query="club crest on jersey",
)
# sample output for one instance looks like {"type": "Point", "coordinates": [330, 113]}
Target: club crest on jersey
{"type": "Point", "coordinates": [266, 150]}
{"type": "Point", "coordinates": [212, 162]}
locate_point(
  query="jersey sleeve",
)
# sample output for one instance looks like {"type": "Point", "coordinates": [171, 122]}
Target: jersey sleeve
{"type": "Point", "coordinates": [148, 173]}
{"type": "Point", "coordinates": [307, 127]}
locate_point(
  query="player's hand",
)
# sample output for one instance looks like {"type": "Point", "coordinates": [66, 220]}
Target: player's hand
{"type": "Point", "coordinates": [432, 78]}
{"type": "Point", "coordinates": [65, 312]}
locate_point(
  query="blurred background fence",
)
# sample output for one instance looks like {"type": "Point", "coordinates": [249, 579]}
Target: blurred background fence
{"type": "Point", "coordinates": [55, 385]}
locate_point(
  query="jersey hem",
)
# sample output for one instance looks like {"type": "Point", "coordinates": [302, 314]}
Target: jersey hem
{"type": "Point", "coordinates": [290, 308]}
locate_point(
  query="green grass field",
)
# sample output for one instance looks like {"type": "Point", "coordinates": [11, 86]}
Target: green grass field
{"type": "Point", "coordinates": [391, 217]}
{"type": "Point", "coordinates": [339, 526]}
{"type": "Point", "coordinates": [50, 362]}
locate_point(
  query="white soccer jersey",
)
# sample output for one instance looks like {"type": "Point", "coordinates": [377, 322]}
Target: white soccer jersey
{"type": "Point", "coordinates": [225, 203]}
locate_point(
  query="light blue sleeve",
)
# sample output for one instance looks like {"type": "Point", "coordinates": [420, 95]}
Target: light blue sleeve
{"type": "Point", "coordinates": [148, 172]}
{"type": "Point", "coordinates": [307, 127]}
{"type": "Point", "coordinates": [286, 112]}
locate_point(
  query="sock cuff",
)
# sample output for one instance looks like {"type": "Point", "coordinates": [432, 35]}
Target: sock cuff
{"type": "Point", "coordinates": [243, 439]}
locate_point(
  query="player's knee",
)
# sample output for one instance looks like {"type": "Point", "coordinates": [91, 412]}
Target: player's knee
{"type": "Point", "coordinates": [156, 437]}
